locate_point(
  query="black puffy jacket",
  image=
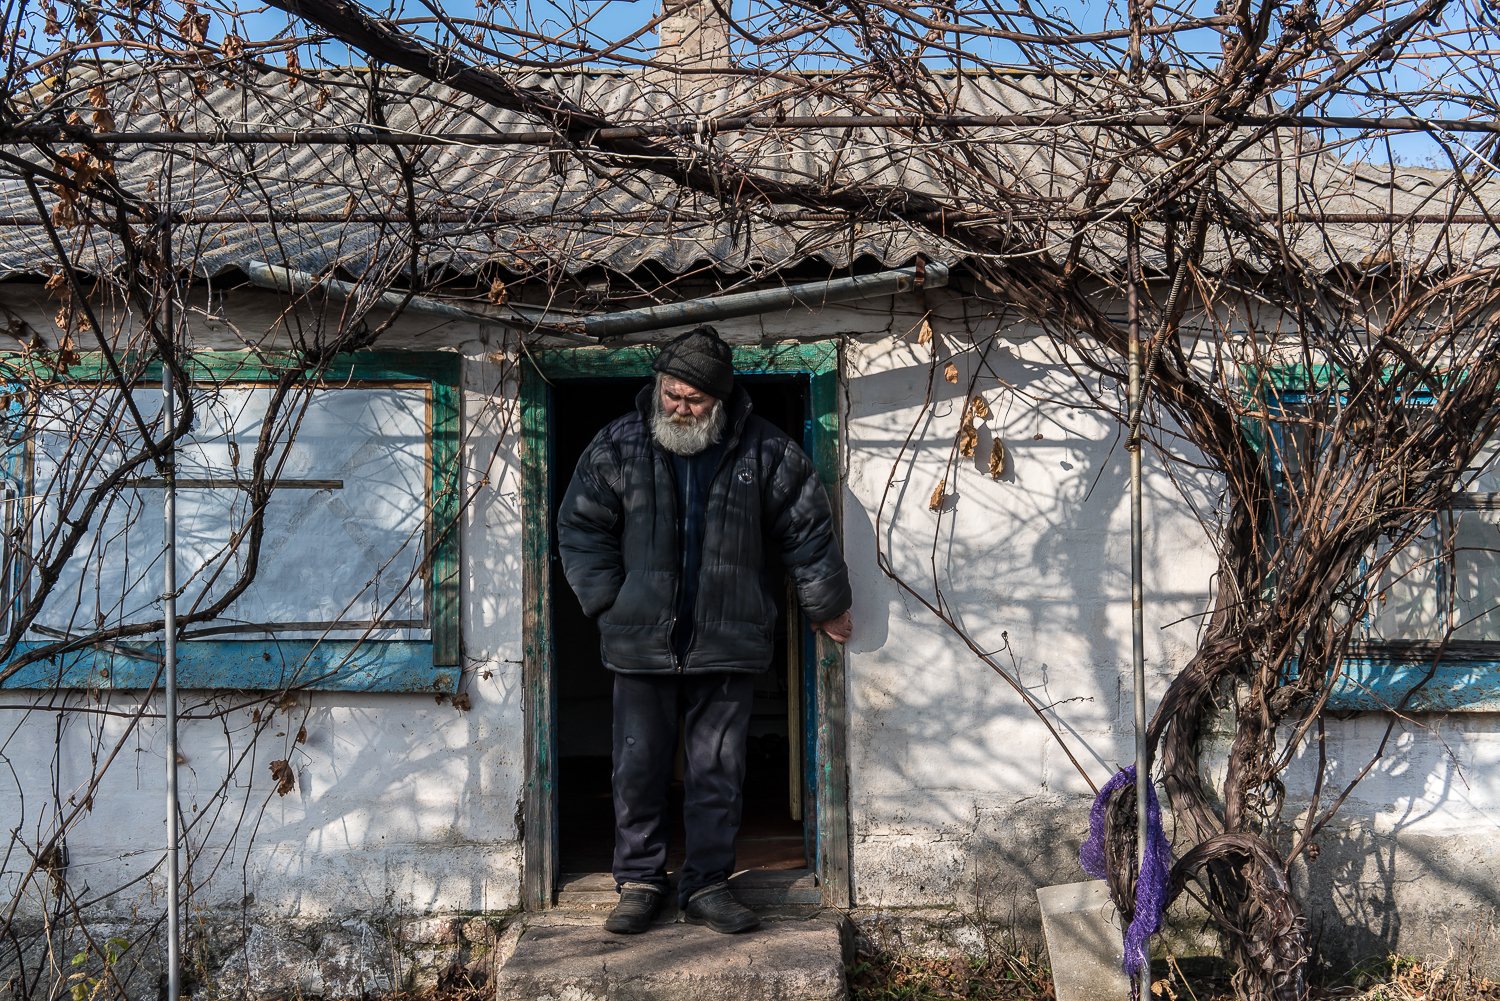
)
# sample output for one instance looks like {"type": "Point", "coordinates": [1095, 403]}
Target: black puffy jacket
{"type": "Point", "coordinates": [617, 532]}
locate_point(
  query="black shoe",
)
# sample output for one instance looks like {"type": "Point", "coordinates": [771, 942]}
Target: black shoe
{"type": "Point", "coordinates": [716, 907]}
{"type": "Point", "coordinates": [638, 905]}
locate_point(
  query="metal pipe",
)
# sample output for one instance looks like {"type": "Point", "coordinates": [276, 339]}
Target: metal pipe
{"type": "Point", "coordinates": [810, 295]}
{"type": "Point", "coordinates": [169, 671]}
{"type": "Point", "coordinates": [281, 279]}
{"type": "Point", "coordinates": [590, 329]}
{"type": "Point", "coordinates": [1137, 586]}
{"type": "Point", "coordinates": [368, 136]}
{"type": "Point", "coordinates": [1061, 216]}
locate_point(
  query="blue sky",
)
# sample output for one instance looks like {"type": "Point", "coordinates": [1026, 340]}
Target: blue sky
{"type": "Point", "coordinates": [611, 20]}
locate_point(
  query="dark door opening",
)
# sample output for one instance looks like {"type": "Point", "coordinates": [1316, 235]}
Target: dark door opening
{"type": "Point", "coordinates": [776, 832]}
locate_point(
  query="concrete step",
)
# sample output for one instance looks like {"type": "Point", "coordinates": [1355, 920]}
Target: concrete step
{"type": "Point", "coordinates": [794, 960]}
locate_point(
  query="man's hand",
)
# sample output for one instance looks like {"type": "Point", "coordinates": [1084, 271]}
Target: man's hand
{"type": "Point", "coordinates": [839, 630]}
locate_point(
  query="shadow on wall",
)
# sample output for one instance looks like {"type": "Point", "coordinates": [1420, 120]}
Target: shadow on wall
{"type": "Point", "coordinates": [1034, 566]}
{"type": "Point", "coordinates": [960, 798]}
{"type": "Point", "coordinates": [1410, 865]}
{"type": "Point", "coordinates": [960, 795]}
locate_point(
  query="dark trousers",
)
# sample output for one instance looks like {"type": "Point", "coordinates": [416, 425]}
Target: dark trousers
{"type": "Point", "coordinates": [715, 711]}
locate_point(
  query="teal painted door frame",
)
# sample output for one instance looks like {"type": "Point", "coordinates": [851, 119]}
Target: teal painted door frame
{"type": "Point", "coordinates": [819, 361]}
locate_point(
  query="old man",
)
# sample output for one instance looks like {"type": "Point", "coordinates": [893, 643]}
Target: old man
{"type": "Point", "coordinates": [664, 533]}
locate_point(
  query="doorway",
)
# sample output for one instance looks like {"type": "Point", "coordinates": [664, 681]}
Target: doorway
{"type": "Point", "coordinates": [796, 814]}
{"type": "Point", "coordinates": [773, 835]}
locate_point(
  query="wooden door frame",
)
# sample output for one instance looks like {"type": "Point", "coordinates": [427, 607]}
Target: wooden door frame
{"type": "Point", "coordinates": [820, 362]}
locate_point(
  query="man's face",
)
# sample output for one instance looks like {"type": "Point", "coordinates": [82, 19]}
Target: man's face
{"type": "Point", "coordinates": [684, 404]}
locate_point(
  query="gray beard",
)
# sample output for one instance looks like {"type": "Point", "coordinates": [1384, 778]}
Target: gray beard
{"type": "Point", "coordinates": [688, 438]}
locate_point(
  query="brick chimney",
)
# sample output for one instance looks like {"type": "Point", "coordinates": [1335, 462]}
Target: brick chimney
{"type": "Point", "coordinates": [693, 35]}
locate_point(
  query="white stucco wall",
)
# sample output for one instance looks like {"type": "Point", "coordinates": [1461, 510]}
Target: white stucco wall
{"type": "Point", "coordinates": [403, 804]}
{"type": "Point", "coordinates": [959, 794]}
{"type": "Point", "coordinates": [960, 798]}
{"type": "Point", "coordinates": [1411, 861]}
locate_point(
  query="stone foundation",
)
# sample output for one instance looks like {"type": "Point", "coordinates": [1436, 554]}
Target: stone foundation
{"type": "Point", "coordinates": [233, 959]}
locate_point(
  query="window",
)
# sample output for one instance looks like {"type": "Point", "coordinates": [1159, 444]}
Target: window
{"type": "Point", "coordinates": [1430, 639]}
{"type": "Point", "coordinates": [356, 585]}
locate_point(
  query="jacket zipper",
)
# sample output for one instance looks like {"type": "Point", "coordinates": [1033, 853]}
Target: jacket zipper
{"type": "Point", "coordinates": [677, 664]}
{"type": "Point", "coordinates": [680, 665]}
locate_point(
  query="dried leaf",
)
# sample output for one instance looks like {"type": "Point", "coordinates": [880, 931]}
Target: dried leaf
{"type": "Point", "coordinates": [997, 459]}
{"type": "Point", "coordinates": [301, 737]}
{"type": "Point", "coordinates": [968, 439]}
{"type": "Point", "coordinates": [462, 703]}
{"type": "Point", "coordinates": [86, 20]}
{"type": "Point", "coordinates": [293, 69]}
{"type": "Point", "coordinates": [924, 332]}
{"type": "Point", "coordinates": [979, 408]}
{"type": "Point", "coordinates": [286, 781]}
{"type": "Point", "coordinates": [950, 372]}
{"type": "Point", "coordinates": [938, 496]}
{"type": "Point", "coordinates": [498, 295]}
{"type": "Point", "coordinates": [104, 120]}
{"type": "Point", "coordinates": [193, 25]}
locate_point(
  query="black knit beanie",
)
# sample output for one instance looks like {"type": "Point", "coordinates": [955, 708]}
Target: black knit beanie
{"type": "Point", "coordinates": [700, 359]}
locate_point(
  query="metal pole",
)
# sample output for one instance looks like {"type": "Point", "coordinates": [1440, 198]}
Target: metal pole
{"type": "Point", "coordinates": [1059, 215]}
{"type": "Point", "coordinates": [1137, 588]}
{"type": "Point", "coordinates": [169, 661]}
{"type": "Point", "coordinates": [367, 136]}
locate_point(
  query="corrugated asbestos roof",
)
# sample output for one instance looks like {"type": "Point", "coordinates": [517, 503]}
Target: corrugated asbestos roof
{"type": "Point", "coordinates": [530, 207]}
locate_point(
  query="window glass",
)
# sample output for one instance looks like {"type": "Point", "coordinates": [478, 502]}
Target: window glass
{"type": "Point", "coordinates": [345, 528]}
{"type": "Point", "coordinates": [1449, 577]}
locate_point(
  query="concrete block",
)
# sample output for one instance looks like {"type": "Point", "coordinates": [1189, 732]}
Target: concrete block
{"type": "Point", "coordinates": [781, 961]}
{"type": "Point", "coordinates": [1084, 941]}
{"type": "Point", "coordinates": [271, 964]}
{"type": "Point", "coordinates": [430, 931]}
{"type": "Point", "coordinates": [354, 961]}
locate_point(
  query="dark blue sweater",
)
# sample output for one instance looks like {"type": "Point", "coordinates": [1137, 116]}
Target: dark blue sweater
{"type": "Point", "coordinates": [694, 474]}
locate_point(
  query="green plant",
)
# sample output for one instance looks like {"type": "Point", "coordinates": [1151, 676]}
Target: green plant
{"type": "Point", "coordinates": [84, 985]}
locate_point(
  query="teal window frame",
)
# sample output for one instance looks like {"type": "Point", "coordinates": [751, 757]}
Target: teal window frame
{"type": "Point", "coordinates": [353, 665]}
{"type": "Point", "coordinates": [1382, 675]}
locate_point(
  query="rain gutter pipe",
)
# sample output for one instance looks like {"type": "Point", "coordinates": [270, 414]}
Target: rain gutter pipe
{"type": "Point", "coordinates": [604, 326]}
{"type": "Point", "coordinates": [279, 279]}
{"type": "Point", "coordinates": [810, 295]}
